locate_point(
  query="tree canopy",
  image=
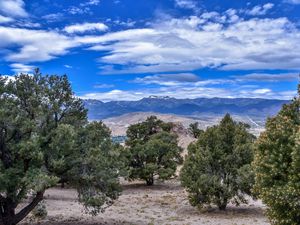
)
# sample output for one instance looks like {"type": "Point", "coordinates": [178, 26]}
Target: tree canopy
{"type": "Point", "coordinates": [277, 165]}
{"type": "Point", "coordinates": [39, 123]}
{"type": "Point", "coordinates": [217, 167]}
{"type": "Point", "coordinates": [152, 150]}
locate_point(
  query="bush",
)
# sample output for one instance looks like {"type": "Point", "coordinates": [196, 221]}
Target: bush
{"type": "Point", "coordinates": [277, 165]}
{"type": "Point", "coordinates": [217, 168]}
{"type": "Point", "coordinates": [40, 211]}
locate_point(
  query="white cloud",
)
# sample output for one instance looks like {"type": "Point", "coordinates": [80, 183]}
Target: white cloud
{"type": "Point", "coordinates": [53, 17]}
{"type": "Point", "coordinates": [122, 95]}
{"type": "Point", "coordinates": [232, 15]}
{"type": "Point", "coordinates": [266, 77]}
{"type": "Point", "coordinates": [191, 43]}
{"type": "Point", "coordinates": [84, 27]}
{"type": "Point", "coordinates": [295, 2]}
{"type": "Point", "coordinates": [210, 40]}
{"type": "Point", "coordinates": [13, 8]}
{"type": "Point", "coordinates": [127, 23]}
{"type": "Point", "coordinates": [188, 92]}
{"type": "Point", "coordinates": [74, 10]}
{"type": "Point", "coordinates": [83, 8]}
{"type": "Point", "coordinates": [34, 45]}
{"type": "Point", "coordinates": [187, 85]}
{"type": "Point", "coordinates": [103, 86]}
{"type": "Point", "coordinates": [22, 68]}
{"type": "Point", "coordinates": [260, 10]}
{"type": "Point", "coordinates": [26, 24]}
{"type": "Point", "coordinates": [4, 19]}
{"type": "Point", "coordinates": [262, 91]}
{"type": "Point", "coordinates": [168, 79]}
{"type": "Point", "coordinates": [192, 80]}
{"type": "Point", "coordinates": [68, 66]}
{"type": "Point", "coordinates": [90, 2]}
{"type": "Point", "coordinates": [188, 4]}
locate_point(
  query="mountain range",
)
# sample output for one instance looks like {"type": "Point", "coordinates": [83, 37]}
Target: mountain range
{"type": "Point", "coordinates": [193, 108]}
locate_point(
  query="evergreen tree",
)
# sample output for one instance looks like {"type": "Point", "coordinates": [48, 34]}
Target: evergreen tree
{"type": "Point", "coordinates": [97, 167]}
{"type": "Point", "coordinates": [195, 130]}
{"type": "Point", "coordinates": [39, 121]}
{"type": "Point", "coordinates": [217, 167]}
{"type": "Point", "coordinates": [152, 150]}
{"type": "Point", "coordinates": [277, 165]}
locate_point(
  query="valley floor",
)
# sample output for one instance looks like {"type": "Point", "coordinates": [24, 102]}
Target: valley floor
{"type": "Point", "coordinates": [141, 205]}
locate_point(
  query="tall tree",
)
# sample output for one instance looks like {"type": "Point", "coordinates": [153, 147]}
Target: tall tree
{"type": "Point", "coordinates": [96, 171]}
{"type": "Point", "coordinates": [39, 118]}
{"type": "Point", "coordinates": [217, 167]}
{"type": "Point", "coordinates": [152, 150]}
{"type": "Point", "coordinates": [277, 165]}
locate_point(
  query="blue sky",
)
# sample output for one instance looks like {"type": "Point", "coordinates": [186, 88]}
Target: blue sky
{"type": "Point", "coordinates": [130, 49]}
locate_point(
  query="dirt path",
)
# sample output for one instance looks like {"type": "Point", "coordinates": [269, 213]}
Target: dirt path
{"type": "Point", "coordinates": [141, 205]}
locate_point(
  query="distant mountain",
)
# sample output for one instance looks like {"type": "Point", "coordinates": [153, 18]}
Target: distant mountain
{"type": "Point", "coordinates": [199, 107]}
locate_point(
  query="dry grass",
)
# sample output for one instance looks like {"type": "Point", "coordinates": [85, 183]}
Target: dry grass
{"type": "Point", "coordinates": [142, 205]}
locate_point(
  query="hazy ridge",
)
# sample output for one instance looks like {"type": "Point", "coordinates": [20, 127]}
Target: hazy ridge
{"type": "Point", "coordinates": [257, 109]}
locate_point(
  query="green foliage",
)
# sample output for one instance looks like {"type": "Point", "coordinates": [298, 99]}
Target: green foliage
{"type": "Point", "coordinates": [61, 158]}
{"type": "Point", "coordinates": [40, 124]}
{"type": "Point", "coordinates": [152, 150]}
{"type": "Point", "coordinates": [195, 130]}
{"type": "Point", "coordinates": [96, 173]}
{"type": "Point", "coordinates": [277, 165]}
{"type": "Point", "coordinates": [217, 168]}
{"type": "Point", "coordinates": [40, 211]}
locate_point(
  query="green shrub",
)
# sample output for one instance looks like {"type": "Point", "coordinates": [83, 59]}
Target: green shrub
{"type": "Point", "coordinates": [40, 211]}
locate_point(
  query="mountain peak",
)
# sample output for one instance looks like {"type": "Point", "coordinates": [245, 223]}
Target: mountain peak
{"type": "Point", "coordinates": [259, 108]}
{"type": "Point", "coordinates": [159, 97]}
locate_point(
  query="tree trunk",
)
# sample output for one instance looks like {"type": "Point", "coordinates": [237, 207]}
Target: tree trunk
{"type": "Point", "coordinates": [7, 218]}
{"type": "Point", "coordinates": [7, 211]}
{"type": "Point", "coordinates": [150, 181]}
{"type": "Point", "coordinates": [222, 205]}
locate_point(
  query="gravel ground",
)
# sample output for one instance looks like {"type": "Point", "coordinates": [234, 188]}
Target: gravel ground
{"type": "Point", "coordinates": [161, 204]}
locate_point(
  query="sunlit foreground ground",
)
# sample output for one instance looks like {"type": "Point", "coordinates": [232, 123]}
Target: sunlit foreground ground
{"type": "Point", "coordinates": [141, 205]}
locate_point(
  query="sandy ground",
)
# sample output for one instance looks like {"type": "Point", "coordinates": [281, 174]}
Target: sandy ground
{"type": "Point", "coordinates": [161, 204]}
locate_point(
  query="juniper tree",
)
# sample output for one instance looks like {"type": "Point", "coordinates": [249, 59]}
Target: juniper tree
{"type": "Point", "coordinates": [152, 150]}
{"type": "Point", "coordinates": [277, 165]}
{"type": "Point", "coordinates": [39, 120]}
{"type": "Point", "coordinates": [217, 167]}
{"type": "Point", "coordinates": [97, 168]}
{"type": "Point", "coordinates": [195, 130]}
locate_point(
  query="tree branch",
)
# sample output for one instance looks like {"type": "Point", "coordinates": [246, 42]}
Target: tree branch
{"type": "Point", "coordinates": [20, 195]}
{"type": "Point", "coordinates": [1, 198]}
{"type": "Point", "coordinates": [26, 210]}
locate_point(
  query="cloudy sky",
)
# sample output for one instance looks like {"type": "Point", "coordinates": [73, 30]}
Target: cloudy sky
{"type": "Point", "coordinates": [130, 49]}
